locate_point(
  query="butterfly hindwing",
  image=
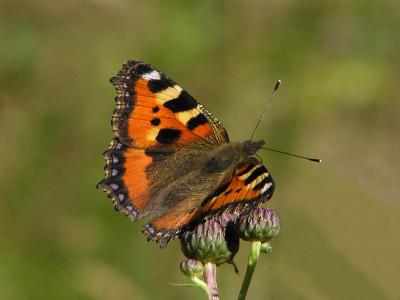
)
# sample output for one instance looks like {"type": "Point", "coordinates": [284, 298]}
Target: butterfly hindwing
{"type": "Point", "coordinates": [125, 181]}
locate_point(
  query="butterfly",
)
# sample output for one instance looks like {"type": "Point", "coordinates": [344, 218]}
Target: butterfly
{"type": "Point", "coordinates": [171, 159]}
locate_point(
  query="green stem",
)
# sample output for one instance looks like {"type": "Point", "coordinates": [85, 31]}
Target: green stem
{"type": "Point", "coordinates": [251, 265]}
{"type": "Point", "coordinates": [201, 284]}
{"type": "Point", "coordinates": [197, 282]}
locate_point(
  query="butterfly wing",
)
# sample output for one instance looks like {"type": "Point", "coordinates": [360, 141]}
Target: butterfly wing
{"type": "Point", "coordinates": [250, 184]}
{"type": "Point", "coordinates": [152, 109]}
{"type": "Point", "coordinates": [153, 118]}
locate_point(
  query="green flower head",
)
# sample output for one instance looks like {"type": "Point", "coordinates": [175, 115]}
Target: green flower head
{"type": "Point", "coordinates": [215, 240]}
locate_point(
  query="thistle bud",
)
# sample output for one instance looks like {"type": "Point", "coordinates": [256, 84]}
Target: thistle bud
{"type": "Point", "coordinates": [215, 241]}
{"type": "Point", "coordinates": [260, 224]}
{"type": "Point", "coordinates": [265, 248]}
{"type": "Point", "coordinates": [191, 267]}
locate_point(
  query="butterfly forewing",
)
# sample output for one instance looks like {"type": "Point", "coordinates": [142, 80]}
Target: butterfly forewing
{"type": "Point", "coordinates": [250, 184]}
{"type": "Point", "coordinates": [152, 109]}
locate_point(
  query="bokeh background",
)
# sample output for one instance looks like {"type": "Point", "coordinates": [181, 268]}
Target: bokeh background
{"type": "Point", "coordinates": [339, 62]}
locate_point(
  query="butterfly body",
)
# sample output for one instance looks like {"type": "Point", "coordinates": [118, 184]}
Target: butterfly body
{"type": "Point", "coordinates": [172, 159]}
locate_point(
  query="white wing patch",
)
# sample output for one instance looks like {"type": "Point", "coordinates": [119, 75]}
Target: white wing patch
{"type": "Point", "coordinates": [153, 75]}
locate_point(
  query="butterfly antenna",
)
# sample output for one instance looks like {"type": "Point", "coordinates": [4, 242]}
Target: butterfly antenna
{"type": "Point", "coordinates": [269, 101]}
{"type": "Point", "coordinates": [317, 160]}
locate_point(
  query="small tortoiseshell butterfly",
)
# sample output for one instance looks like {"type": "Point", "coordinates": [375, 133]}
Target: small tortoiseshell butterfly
{"type": "Point", "coordinates": [172, 159]}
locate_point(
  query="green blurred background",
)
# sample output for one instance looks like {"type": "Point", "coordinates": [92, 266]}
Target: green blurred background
{"type": "Point", "coordinates": [339, 62]}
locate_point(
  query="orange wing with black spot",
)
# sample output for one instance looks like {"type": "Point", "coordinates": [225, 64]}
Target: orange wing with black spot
{"type": "Point", "coordinates": [151, 111]}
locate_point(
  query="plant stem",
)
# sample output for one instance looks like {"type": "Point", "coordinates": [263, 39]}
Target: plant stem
{"type": "Point", "coordinates": [201, 284]}
{"type": "Point", "coordinates": [251, 265]}
{"type": "Point", "coordinates": [197, 282]}
{"type": "Point", "coordinates": [210, 277]}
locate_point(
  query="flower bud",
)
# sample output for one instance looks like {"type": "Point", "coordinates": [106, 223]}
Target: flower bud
{"type": "Point", "coordinates": [265, 248]}
{"type": "Point", "coordinates": [260, 224]}
{"type": "Point", "coordinates": [215, 241]}
{"type": "Point", "coordinates": [191, 267]}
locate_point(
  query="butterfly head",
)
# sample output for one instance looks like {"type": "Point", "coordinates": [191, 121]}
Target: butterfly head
{"type": "Point", "coordinates": [250, 148]}
{"type": "Point", "coordinates": [227, 155]}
